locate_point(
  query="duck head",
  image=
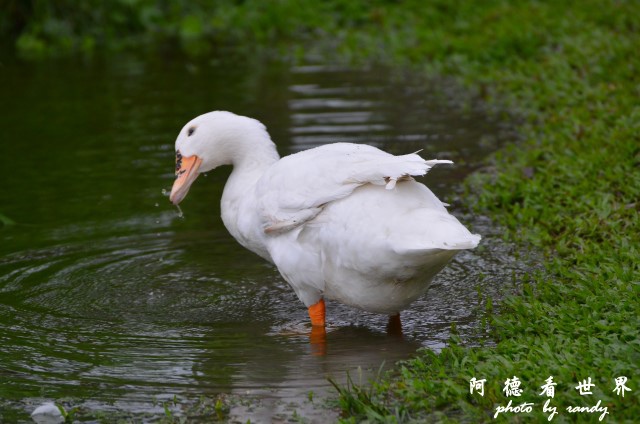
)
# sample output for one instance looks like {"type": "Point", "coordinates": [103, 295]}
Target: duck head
{"type": "Point", "coordinates": [207, 142]}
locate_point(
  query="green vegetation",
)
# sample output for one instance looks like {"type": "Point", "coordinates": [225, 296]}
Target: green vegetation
{"type": "Point", "coordinates": [570, 188]}
{"type": "Point", "coordinates": [5, 220]}
{"type": "Point", "coordinates": [44, 28]}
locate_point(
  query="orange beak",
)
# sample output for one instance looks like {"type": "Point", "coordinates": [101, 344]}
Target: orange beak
{"type": "Point", "coordinates": [186, 174]}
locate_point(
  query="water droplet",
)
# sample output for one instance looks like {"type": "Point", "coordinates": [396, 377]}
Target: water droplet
{"type": "Point", "coordinates": [165, 192]}
{"type": "Point", "coordinates": [180, 213]}
{"type": "Point", "coordinates": [156, 205]}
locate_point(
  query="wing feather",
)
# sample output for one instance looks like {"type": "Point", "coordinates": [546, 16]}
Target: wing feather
{"type": "Point", "coordinates": [295, 189]}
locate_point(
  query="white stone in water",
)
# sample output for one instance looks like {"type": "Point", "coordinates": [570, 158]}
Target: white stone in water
{"type": "Point", "coordinates": [47, 413]}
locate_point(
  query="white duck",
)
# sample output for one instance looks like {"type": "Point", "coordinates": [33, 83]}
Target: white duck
{"type": "Point", "coordinates": [342, 221]}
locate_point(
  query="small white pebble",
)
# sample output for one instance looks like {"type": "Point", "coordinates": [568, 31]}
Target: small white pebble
{"type": "Point", "coordinates": [47, 413]}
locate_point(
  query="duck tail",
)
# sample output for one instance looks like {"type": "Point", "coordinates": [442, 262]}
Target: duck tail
{"type": "Point", "coordinates": [390, 169]}
{"type": "Point", "coordinates": [433, 230]}
{"type": "Point", "coordinates": [469, 242]}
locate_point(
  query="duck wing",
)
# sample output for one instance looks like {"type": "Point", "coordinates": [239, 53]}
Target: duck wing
{"type": "Point", "coordinates": [296, 188]}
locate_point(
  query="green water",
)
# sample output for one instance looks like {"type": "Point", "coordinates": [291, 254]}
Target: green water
{"type": "Point", "coordinates": [110, 302]}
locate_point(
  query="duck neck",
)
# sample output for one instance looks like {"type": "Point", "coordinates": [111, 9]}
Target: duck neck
{"type": "Point", "coordinates": [237, 202]}
{"type": "Point", "coordinates": [249, 164]}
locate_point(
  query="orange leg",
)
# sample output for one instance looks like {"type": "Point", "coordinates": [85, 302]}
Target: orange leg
{"type": "Point", "coordinates": [317, 313]}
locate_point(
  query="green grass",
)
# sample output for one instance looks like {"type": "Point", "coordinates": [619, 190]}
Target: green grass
{"type": "Point", "coordinates": [570, 188]}
{"type": "Point", "coordinates": [5, 220]}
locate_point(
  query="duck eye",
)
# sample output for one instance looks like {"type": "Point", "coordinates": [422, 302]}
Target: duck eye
{"type": "Point", "coordinates": [190, 131]}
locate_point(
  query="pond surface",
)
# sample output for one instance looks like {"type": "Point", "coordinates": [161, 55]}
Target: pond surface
{"type": "Point", "coordinates": [110, 302]}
